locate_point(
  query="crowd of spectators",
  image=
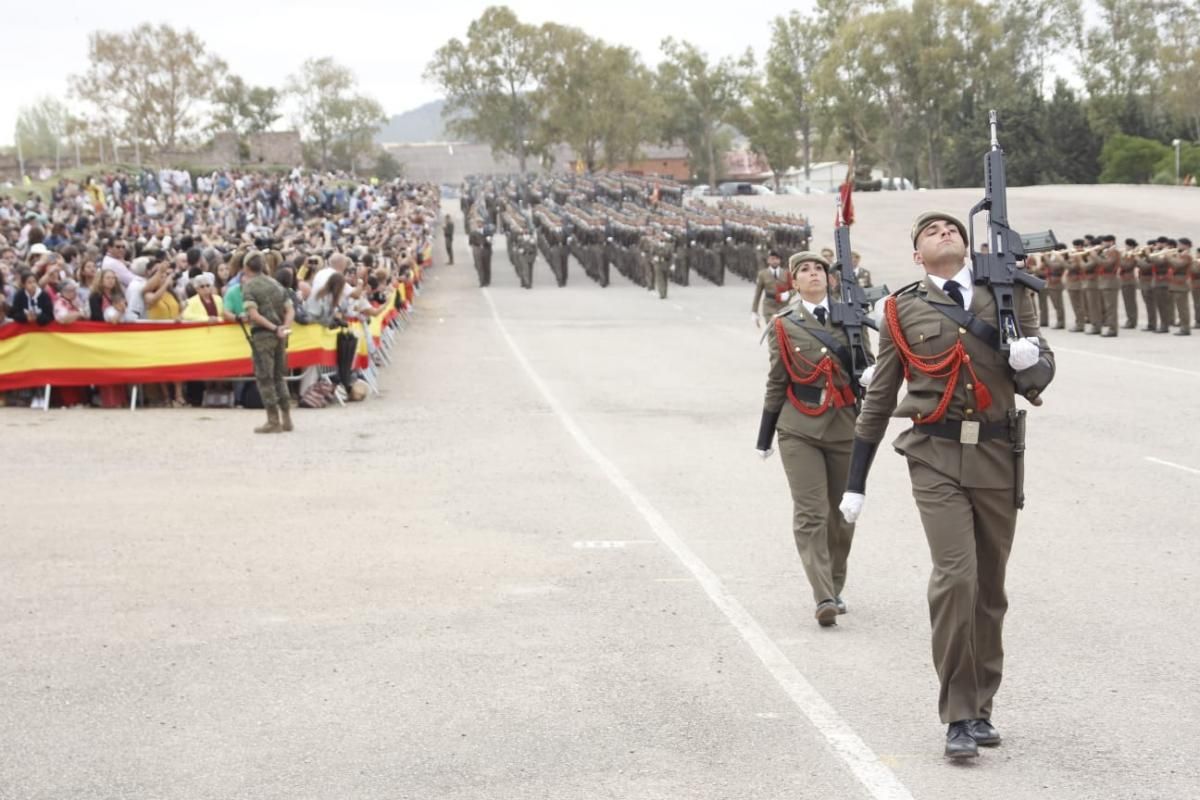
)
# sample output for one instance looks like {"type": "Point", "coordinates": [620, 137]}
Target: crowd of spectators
{"type": "Point", "coordinates": [130, 247]}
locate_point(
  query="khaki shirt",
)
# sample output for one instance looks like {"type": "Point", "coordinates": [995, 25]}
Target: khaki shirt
{"type": "Point", "coordinates": [987, 465]}
{"type": "Point", "coordinates": [836, 424]}
{"type": "Point", "coordinates": [767, 289]}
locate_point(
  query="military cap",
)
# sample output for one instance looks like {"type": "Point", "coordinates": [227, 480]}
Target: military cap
{"type": "Point", "coordinates": [798, 258]}
{"type": "Point", "coordinates": [929, 217]}
{"type": "Point", "coordinates": [1185, 241]}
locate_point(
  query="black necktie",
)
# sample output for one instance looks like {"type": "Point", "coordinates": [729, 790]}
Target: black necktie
{"type": "Point", "coordinates": [954, 292]}
{"type": "Point", "coordinates": [820, 312]}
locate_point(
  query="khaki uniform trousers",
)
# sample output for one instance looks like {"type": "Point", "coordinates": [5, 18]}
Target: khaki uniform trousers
{"type": "Point", "coordinates": [1183, 311]}
{"type": "Point", "coordinates": [1129, 295]}
{"type": "Point", "coordinates": [1109, 299]}
{"type": "Point", "coordinates": [1165, 306]}
{"type": "Point", "coordinates": [1093, 298]}
{"type": "Point", "coordinates": [1147, 289]}
{"type": "Point", "coordinates": [816, 472]}
{"type": "Point", "coordinates": [970, 534]}
{"type": "Point", "coordinates": [1078, 308]}
{"type": "Point", "coordinates": [1056, 300]}
{"type": "Point", "coordinates": [1044, 308]}
{"type": "Point", "coordinates": [1196, 302]}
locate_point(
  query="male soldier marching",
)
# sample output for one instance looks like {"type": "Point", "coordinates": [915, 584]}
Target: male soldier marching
{"type": "Point", "coordinates": [269, 309]}
{"type": "Point", "coordinates": [1146, 285]}
{"type": "Point", "coordinates": [962, 456]}
{"type": "Point", "coordinates": [771, 288]}
{"type": "Point", "coordinates": [861, 273]}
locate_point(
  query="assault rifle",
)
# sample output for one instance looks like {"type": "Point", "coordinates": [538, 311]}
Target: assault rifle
{"type": "Point", "coordinates": [997, 269]}
{"type": "Point", "coordinates": [849, 308]}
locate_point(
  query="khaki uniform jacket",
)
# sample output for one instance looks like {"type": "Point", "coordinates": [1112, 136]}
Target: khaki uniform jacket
{"type": "Point", "coordinates": [987, 465]}
{"type": "Point", "coordinates": [836, 424]}
{"type": "Point", "coordinates": [767, 289]}
{"type": "Point", "coordinates": [1181, 265]}
{"type": "Point", "coordinates": [1107, 263]}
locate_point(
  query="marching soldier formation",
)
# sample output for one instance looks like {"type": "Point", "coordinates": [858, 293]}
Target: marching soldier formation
{"type": "Point", "coordinates": [642, 227]}
{"type": "Point", "coordinates": [1103, 280]}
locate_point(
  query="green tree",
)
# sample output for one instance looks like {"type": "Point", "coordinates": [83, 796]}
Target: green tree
{"type": "Point", "coordinates": [42, 128]}
{"type": "Point", "coordinates": [149, 82]}
{"type": "Point", "coordinates": [1073, 147]}
{"type": "Point", "coordinates": [244, 109]}
{"type": "Point", "coordinates": [796, 49]}
{"type": "Point", "coordinates": [1132, 159]}
{"type": "Point", "coordinates": [331, 113]}
{"type": "Point", "coordinates": [698, 98]}
{"type": "Point", "coordinates": [494, 83]}
{"type": "Point", "coordinates": [771, 128]}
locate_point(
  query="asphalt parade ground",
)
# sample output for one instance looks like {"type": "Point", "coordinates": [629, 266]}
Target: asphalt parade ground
{"type": "Point", "coordinates": [547, 563]}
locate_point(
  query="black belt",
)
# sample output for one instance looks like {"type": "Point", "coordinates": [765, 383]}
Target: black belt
{"type": "Point", "coordinates": [952, 429]}
{"type": "Point", "coordinates": [807, 393]}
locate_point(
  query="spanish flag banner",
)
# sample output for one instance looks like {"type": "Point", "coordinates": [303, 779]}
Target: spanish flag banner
{"type": "Point", "coordinates": [96, 353]}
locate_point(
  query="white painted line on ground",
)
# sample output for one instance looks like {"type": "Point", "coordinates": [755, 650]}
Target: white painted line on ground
{"type": "Point", "coordinates": [879, 781]}
{"type": "Point", "coordinates": [1173, 465]}
{"type": "Point", "coordinates": [677, 307]}
{"type": "Point", "coordinates": [609, 544]}
{"type": "Point", "coordinates": [1132, 361]}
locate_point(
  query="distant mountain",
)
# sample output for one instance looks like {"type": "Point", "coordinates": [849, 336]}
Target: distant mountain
{"type": "Point", "coordinates": [421, 124]}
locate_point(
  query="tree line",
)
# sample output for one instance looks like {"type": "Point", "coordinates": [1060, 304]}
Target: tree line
{"type": "Point", "coordinates": [157, 89]}
{"type": "Point", "coordinates": [904, 86]}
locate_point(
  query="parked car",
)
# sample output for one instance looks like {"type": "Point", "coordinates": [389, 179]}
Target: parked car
{"type": "Point", "coordinates": [703, 190]}
{"type": "Point", "coordinates": [732, 188]}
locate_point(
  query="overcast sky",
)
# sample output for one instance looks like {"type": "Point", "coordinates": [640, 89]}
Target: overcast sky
{"type": "Point", "coordinates": [387, 44]}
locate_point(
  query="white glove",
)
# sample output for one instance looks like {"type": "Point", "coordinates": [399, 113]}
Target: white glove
{"type": "Point", "coordinates": [783, 296]}
{"type": "Point", "coordinates": [765, 454]}
{"type": "Point", "coordinates": [867, 375]}
{"type": "Point", "coordinates": [1023, 353]}
{"type": "Point", "coordinates": [852, 506]}
{"type": "Point", "coordinates": [757, 320]}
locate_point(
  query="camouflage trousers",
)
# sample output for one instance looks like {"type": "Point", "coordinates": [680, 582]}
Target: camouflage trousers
{"type": "Point", "coordinates": [269, 354]}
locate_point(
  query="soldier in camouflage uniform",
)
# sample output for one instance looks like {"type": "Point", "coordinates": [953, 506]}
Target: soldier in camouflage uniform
{"type": "Point", "coordinates": [269, 309]}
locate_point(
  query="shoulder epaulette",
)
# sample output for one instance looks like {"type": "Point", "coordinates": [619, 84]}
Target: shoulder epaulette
{"type": "Point", "coordinates": [909, 289]}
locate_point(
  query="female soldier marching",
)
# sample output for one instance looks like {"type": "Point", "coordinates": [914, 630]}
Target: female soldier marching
{"type": "Point", "coordinates": [809, 400]}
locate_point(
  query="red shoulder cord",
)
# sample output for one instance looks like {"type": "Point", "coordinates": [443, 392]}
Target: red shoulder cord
{"type": "Point", "coordinates": [827, 367]}
{"type": "Point", "coordinates": [946, 364]}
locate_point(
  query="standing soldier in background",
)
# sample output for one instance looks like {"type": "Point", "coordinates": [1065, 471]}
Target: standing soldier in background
{"type": "Point", "coordinates": [1091, 287]}
{"type": "Point", "coordinates": [1108, 285]}
{"type": "Point", "coordinates": [1162, 284]}
{"type": "Point", "coordinates": [1055, 266]}
{"type": "Point", "coordinates": [269, 309]}
{"type": "Point", "coordinates": [448, 232]}
{"type": "Point", "coordinates": [1074, 283]}
{"type": "Point", "coordinates": [1146, 285]}
{"type": "Point", "coordinates": [772, 290]}
{"type": "Point", "coordinates": [962, 453]}
{"type": "Point", "coordinates": [1037, 267]}
{"type": "Point", "coordinates": [1127, 273]}
{"type": "Point", "coordinates": [1181, 262]}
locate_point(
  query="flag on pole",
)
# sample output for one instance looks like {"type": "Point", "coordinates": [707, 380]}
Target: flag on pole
{"type": "Point", "coordinates": [845, 196]}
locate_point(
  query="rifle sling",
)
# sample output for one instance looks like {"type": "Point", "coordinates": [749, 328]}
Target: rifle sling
{"type": "Point", "coordinates": [840, 350]}
{"type": "Point", "coordinates": [966, 319]}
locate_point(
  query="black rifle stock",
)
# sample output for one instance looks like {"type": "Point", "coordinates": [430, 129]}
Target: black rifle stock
{"type": "Point", "coordinates": [849, 308]}
{"type": "Point", "coordinates": [997, 269]}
